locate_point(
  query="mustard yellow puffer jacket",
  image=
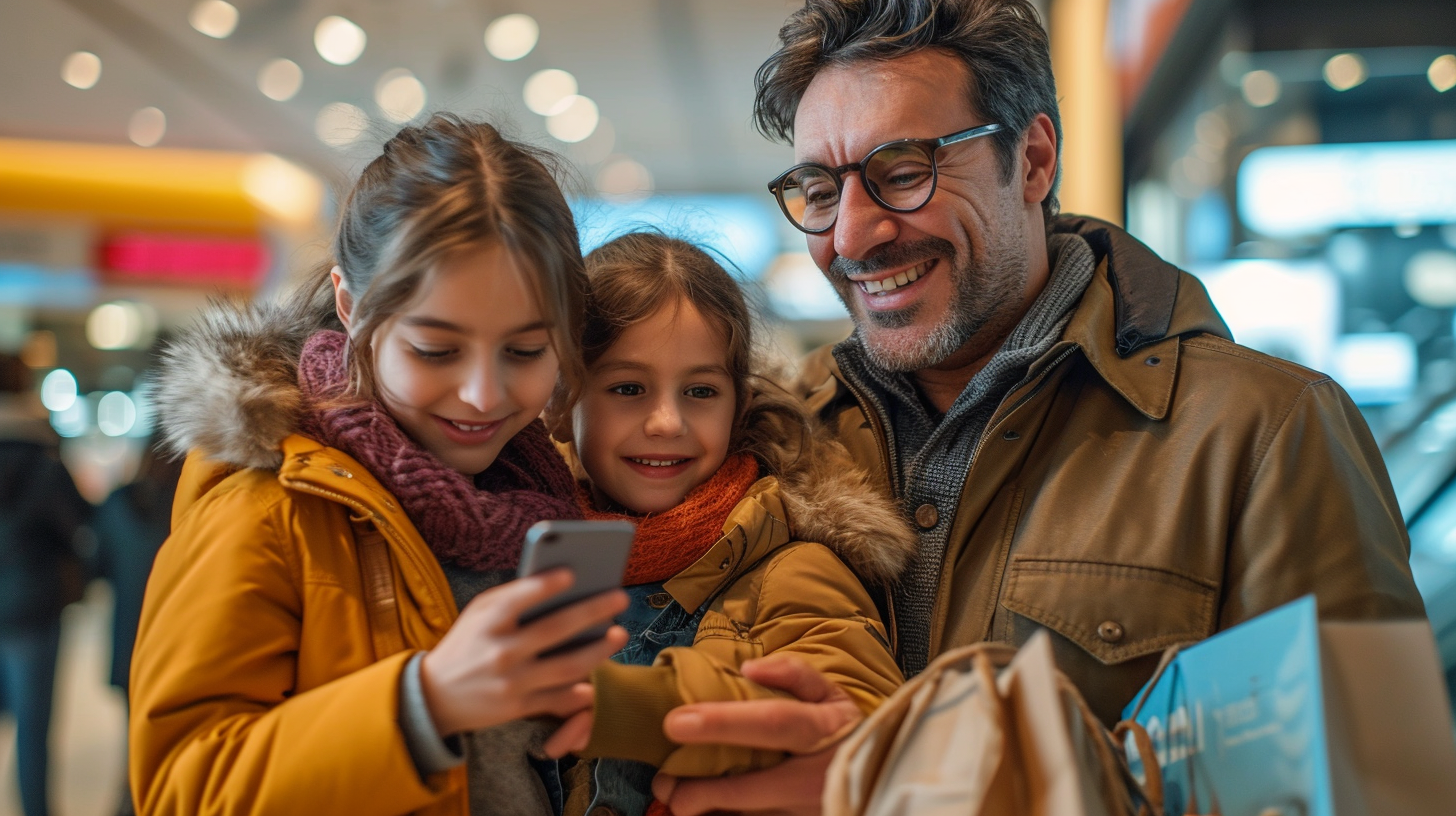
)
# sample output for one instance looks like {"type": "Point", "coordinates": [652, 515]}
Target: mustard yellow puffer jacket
{"type": "Point", "coordinates": [281, 611]}
{"type": "Point", "coordinates": [259, 683]}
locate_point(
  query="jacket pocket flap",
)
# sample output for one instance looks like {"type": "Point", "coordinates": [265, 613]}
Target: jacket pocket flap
{"type": "Point", "coordinates": [1115, 612]}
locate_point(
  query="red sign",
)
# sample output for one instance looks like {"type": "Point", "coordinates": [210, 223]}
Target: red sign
{"type": "Point", "coordinates": [184, 259]}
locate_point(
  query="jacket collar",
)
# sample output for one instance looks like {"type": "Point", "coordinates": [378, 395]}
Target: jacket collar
{"type": "Point", "coordinates": [756, 527]}
{"type": "Point", "coordinates": [311, 466]}
{"type": "Point", "coordinates": [1132, 314]}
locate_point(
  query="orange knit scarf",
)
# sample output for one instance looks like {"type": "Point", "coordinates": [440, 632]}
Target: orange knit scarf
{"type": "Point", "coordinates": [669, 542]}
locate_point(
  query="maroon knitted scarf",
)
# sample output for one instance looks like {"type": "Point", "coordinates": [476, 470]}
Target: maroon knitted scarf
{"type": "Point", "coordinates": [477, 525]}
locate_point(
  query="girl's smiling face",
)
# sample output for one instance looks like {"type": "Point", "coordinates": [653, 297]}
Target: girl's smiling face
{"type": "Point", "coordinates": [469, 362]}
{"type": "Point", "coordinates": [657, 411]}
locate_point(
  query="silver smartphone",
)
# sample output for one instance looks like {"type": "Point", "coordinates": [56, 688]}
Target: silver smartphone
{"type": "Point", "coordinates": [596, 551]}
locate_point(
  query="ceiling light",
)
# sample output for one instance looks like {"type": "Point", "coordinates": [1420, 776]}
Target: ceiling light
{"type": "Point", "coordinates": [624, 179]}
{"type": "Point", "coordinates": [511, 37]}
{"type": "Point", "coordinates": [116, 414]}
{"type": "Point", "coordinates": [280, 80]}
{"type": "Point", "coordinates": [1430, 278]}
{"type": "Point", "coordinates": [1261, 88]}
{"type": "Point", "coordinates": [147, 127]}
{"type": "Point", "coordinates": [1212, 129]}
{"type": "Point", "coordinates": [575, 120]}
{"type": "Point", "coordinates": [547, 91]}
{"type": "Point", "coordinates": [81, 70]}
{"type": "Point", "coordinates": [215, 18]}
{"type": "Point", "coordinates": [116, 325]}
{"type": "Point", "coordinates": [1442, 72]}
{"type": "Point", "coordinates": [400, 95]}
{"type": "Point", "coordinates": [339, 40]}
{"type": "Point", "coordinates": [283, 189]}
{"type": "Point", "coordinates": [58, 390]}
{"type": "Point", "coordinates": [1345, 71]}
{"type": "Point", "coordinates": [340, 124]}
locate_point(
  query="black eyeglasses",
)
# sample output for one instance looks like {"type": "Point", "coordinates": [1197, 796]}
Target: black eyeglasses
{"type": "Point", "coordinates": [900, 176]}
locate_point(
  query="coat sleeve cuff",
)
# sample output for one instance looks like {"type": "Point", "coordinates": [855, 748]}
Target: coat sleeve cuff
{"type": "Point", "coordinates": [431, 753]}
{"type": "Point", "coordinates": [631, 702]}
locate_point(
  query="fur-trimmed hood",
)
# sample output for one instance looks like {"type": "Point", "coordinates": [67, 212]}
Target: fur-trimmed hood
{"type": "Point", "coordinates": [832, 500]}
{"type": "Point", "coordinates": [228, 386]}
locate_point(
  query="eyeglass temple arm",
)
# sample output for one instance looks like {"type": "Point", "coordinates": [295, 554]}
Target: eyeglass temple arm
{"type": "Point", "coordinates": [983, 130]}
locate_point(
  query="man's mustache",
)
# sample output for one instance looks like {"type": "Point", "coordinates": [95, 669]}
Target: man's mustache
{"type": "Point", "coordinates": [893, 256]}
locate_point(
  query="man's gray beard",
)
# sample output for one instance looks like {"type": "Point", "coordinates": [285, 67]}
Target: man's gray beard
{"type": "Point", "coordinates": [943, 341]}
{"type": "Point", "coordinates": [983, 294]}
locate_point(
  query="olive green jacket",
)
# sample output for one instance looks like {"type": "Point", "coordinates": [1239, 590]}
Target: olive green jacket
{"type": "Point", "coordinates": [1148, 484]}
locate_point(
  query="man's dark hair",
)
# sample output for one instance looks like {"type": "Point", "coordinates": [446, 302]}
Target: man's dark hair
{"type": "Point", "coordinates": [1001, 43]}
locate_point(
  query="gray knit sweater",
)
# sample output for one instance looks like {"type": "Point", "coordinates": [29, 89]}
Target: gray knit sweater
{"type": "Point", "coordinates": [932, 453]}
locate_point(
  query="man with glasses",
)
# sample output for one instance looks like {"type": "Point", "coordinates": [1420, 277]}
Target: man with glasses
{"type": "Point", "coordinates": [1062, 413]}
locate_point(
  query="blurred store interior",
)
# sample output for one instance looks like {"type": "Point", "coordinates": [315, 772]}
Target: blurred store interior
{"type": "Point", "coordinates": [1299, 156]}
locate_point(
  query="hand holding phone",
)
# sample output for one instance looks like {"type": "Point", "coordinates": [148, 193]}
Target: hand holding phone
{"type": "Point", "coordinates": [508, 656]}
{"type": "Point", "coordinates": [595, 552]}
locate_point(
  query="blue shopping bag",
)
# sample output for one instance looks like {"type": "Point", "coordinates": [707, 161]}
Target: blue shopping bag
{"type": "Point", "coordinates": [1285, 716]}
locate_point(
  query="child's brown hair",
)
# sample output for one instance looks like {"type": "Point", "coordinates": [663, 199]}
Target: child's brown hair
{"type": "Point", "coordinates": [634, 275]}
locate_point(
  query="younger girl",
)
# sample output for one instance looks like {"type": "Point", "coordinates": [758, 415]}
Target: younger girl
{"type": "Point", "coordinates": [365, 460]}
{"type": "Point", "coordinates": [717, 468]}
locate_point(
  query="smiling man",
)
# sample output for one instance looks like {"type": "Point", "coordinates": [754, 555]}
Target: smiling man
{"type": "Point", "coordinates": [1063, 414]}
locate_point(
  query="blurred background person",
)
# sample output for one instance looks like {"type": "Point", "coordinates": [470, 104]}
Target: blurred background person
{"type": "Point", "coordinates": [130, 527]}
{"type": "Point", "coordinates": [40, 572]}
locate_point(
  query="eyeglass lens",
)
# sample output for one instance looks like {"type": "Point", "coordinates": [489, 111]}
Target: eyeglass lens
{"type": "Point", "coordinates": [898, 176]}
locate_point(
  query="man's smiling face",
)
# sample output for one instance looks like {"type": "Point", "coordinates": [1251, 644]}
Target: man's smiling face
{"type": "Point", "coordinates": [941, 286]}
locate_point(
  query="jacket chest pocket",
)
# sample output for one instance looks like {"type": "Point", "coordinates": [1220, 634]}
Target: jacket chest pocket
{"type": "Point", "coordinates": [1114, 612]}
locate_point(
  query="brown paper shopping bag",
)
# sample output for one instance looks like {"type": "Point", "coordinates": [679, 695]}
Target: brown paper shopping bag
{"type": "Point", "coordinates": [984, 730]}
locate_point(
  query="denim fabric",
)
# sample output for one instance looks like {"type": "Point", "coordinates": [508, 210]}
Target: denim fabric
{"type": "Point", "coordinates": [27, 685]}
{"type": "Point", "coordinates": [654, 621]}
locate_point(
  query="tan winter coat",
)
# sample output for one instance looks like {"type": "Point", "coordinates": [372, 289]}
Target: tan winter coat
{"type": "Point", "coordinates": [1151, 483]}
{"type": "Point", "coordinates": [777, 582]}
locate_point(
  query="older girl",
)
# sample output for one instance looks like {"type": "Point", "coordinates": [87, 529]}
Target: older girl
{"type": "Point", "coordinates": [364, 460]}
{"type": "Point", "coordinates": [745, 522]}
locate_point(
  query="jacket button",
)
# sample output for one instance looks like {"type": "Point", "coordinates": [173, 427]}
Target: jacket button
{"type": "Point", "coordinates": [1110, 632]}
{"type": "Point", "coordinates": [1011, 436]}
{"type": "Point", "coordinates": [926, 516]}
{"type": "Point", "coordinates": [659, 600]}
{"type": "Point", "coordinates": [1152, 361]}
{"type": "Point", "coordinates": [340, 472]}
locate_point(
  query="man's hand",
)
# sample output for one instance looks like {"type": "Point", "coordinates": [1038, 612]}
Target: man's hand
{"type": "Point", "coordinates": [809, 728]}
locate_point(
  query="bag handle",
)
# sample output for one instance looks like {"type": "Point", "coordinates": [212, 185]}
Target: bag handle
{"type": "Point", "coordinates": [1167, 660]}
{"type": "Point", "coordinates": [376, 569]}
{"type": "Point", "coordinates": [1152, 771]}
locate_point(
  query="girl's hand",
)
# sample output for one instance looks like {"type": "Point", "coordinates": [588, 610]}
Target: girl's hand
{"type": "Point", "coordinates": [572, 737]}
{"type": "Point", "coordinates": [486, 670]}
